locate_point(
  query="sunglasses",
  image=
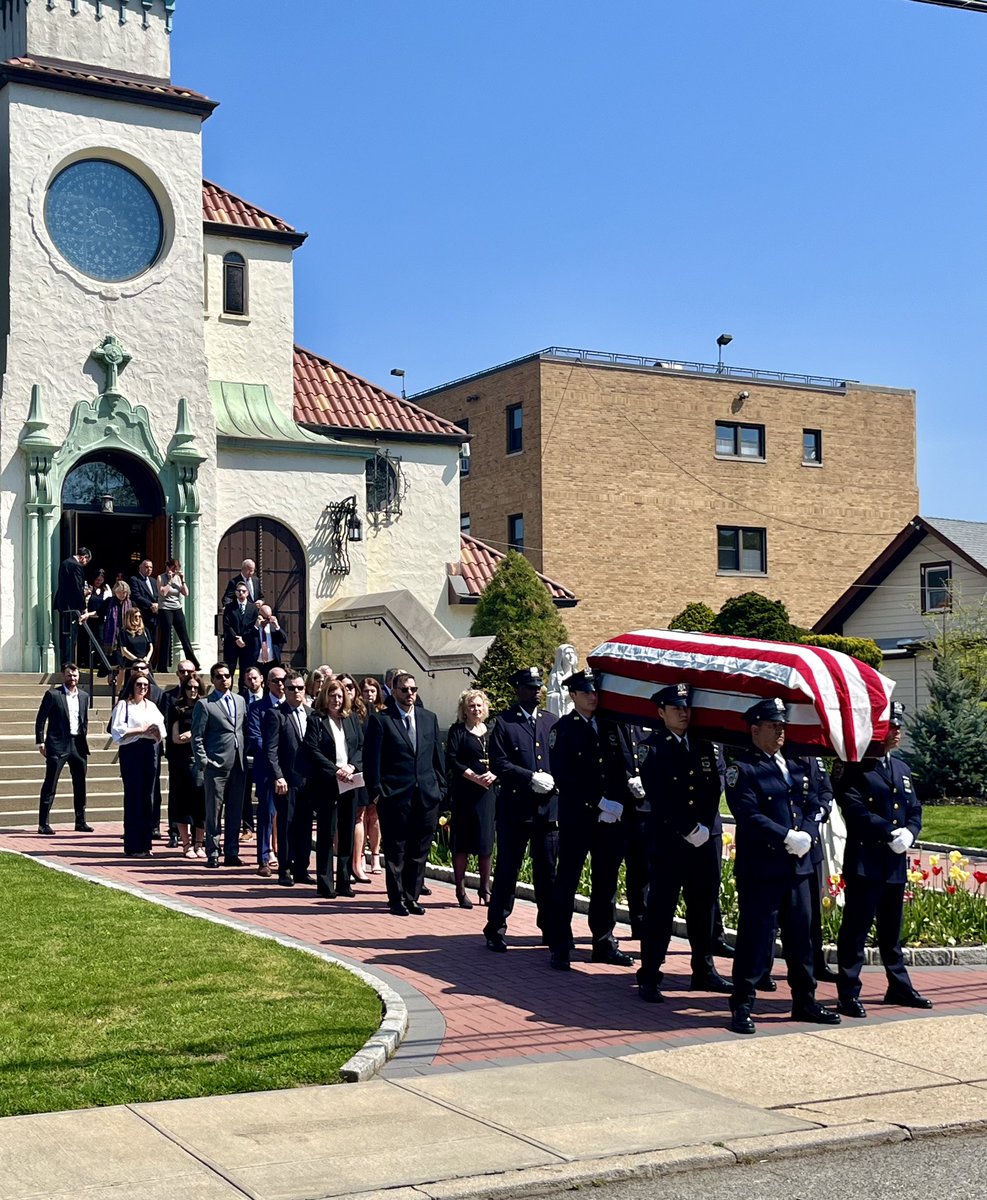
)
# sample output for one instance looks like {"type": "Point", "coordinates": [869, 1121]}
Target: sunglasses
{"type": "Point", "coordinates": [295, 687]}
{"type": "Point", "coordinates": [221, 675]}
{"type": "Point", "coordinates": [408, 689]}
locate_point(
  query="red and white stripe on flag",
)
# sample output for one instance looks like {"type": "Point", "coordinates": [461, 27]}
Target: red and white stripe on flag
{"type": "Point", "coordinates": [836, 703]}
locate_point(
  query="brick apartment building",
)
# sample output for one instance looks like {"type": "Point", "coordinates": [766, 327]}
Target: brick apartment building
{"type": "Point", "coordinates": [646, 484]}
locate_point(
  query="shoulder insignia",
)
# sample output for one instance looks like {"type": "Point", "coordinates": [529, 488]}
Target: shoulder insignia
{"type": "Point", "coordinates": [732, 775]}
{"type": "Point", "coordinates": [821, 764]}
{"type": "Point", "coordinates": [906, 782]}
{"type": "Point", "coordinates": [642, 753]}
{"type": "Point", "coordinates": [551, 740]}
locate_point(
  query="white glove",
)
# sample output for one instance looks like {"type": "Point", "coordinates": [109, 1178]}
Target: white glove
{"type": "Point", "coordinates": [901, 840]}
{"type": "Point", "coordinates": [610, 811]}
{"type": "Point", "coordinates": [542, 783]}
{"type": "Point", "coordinates": [636, 787]}
{"type": "Point", "coordinates": [797, 843]}
{"type": "Point", "coordinates": [608, 818]}
{"type": "Point", "coordinates": [698, 837]}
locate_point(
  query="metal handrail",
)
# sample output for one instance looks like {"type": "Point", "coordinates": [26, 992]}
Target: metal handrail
{"type": "Point", "coordinates": [112, 670]}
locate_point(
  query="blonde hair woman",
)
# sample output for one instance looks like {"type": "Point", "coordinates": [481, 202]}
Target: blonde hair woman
{"type": "Point", "coordinates": [472, 791]}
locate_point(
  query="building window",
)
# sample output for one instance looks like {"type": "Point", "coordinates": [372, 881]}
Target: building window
{"type": "Point", "coordinates": [234, 284]}
{"type": "Point", "coordinates": [937, 587]}
{"type": "Point", "coordinates": [812, 446]}
{"type": "Point", "coordinates": [515, 532]}
{"type": "Point", "coordinates": [742, 550]}
{"type": "Point", "coordinates": [464, 455]}
{"type": "Point", "coordinates": [515, 422]}
{"type": "Point", "coordinates": [464, 522]}
{"type": "Point", "coordinates": [739, 441]}
{"type": "Point", "coordinates": [384, 486]}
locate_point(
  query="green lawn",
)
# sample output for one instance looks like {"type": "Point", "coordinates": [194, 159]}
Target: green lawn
{"type": "Point", "coordinates": [955, 824]}
{"type": "Point", "coordinates": [107, 999]}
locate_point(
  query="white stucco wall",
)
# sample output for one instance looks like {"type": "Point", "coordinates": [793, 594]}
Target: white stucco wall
{"type": "Point", "coordinates": [52, 30]}
{"type": "Point", "coordinates": [57, 315]}
{"type": "Point", "coordinates": [258, 347]}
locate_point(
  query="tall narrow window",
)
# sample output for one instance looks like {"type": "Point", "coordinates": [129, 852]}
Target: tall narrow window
{"type": "Point", "coordinates": [464, 450]}
{"type": "Point", "coordinates": [234, 284]}
{"type": "Point", "coordinates": [515, 532]}
{"type": "Point", "coordinates": [812, 446]}
{"type": "Point", "coordinates": [464, 522]}
{"type": "Point", "coordinates": [937, 579]}
{"type": "Point", "coordinates": [515, 428]}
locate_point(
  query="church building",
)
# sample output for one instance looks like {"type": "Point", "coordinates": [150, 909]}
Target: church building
{"type": "Point", "coordinates": [153, 400]}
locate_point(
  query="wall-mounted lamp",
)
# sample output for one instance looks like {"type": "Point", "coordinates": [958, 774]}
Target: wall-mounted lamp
{"type": "Point", "coordinates": [354, 526]}
{"type": "Point", "coordinates": [723, 340]}
{"type": "Point", "coordinates": [742, 396]}
{"type": "Point", "coordinates": [398, 373]}
{"type": "Point", "coordinates": [345, 526]}
{"type": "Point", "coordinates": [106, 503]}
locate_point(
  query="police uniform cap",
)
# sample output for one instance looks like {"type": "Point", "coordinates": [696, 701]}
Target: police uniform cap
{"type": "Point", "coordinates": [582, 681]}
{"type": "Point", "coordinates": [897, 713]}
{"type": "Point", "coordinates": [766, 710]}
{"type": "Point", "coordinates": [527, 677]}
{"type": "Point", "coordinates": [678, 695]}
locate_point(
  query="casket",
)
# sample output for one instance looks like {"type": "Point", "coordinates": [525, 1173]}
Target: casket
{"type": "Point", "coordinates": [836, 704]}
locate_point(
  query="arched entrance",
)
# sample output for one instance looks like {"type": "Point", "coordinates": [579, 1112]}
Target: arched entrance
{"type": "Point", "coordinates": [112, 503]}
{"type": "Point", "coordinates": [280, 562]}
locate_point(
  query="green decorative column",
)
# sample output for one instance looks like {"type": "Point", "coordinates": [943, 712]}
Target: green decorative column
{"type": "Point", "coordinates": [39, 510]}
{"type": "Point", "coordinates": [185, 457]}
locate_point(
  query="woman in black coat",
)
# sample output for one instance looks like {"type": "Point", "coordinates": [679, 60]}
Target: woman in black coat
{"type": "Point", "coordinates": [471, 789]}
{"type": "Point", "coordinates": [334, 740]}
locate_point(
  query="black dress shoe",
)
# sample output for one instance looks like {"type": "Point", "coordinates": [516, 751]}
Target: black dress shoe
{"type": "Point", "coordinates": [325, 892]}
{"type": "Point", "coordinates": [425, 891]}
{"type": "Point", "coordinates": [650, 993]}
{"type": "Point", "coordinates": [212, 862]}
{"type": "Point", "coordinates": [82, 827]}
{"type": "Point", "coordinates": [713, 982]}
{"type": "Point", "coordinates": [156, 834]}
{"type": "Point", "coordinates": [741, 1020]}
{"type": "Point", "coordinates": [825, 975]}
{"type": "Point", "coordinates": [907, 999]}
{"type": "Point", "coordinates": [612, 954]}
{"type": "Point", "coordinates": [399, 910]}
{"type": "Point", "coordinates": [343, 888]}
{"type": "Point", "coordinates": [496, 943]}
{"type": "Point", "coordinates": [767, 983]}
{"type": "Point", "coordinates": [815, 1014]}
{"type": "Point", "coordinates": [851, 1008]}
{"type": "Point", "coordinates": [414, 908]}
{"type": "Point", "coordinates": [302, 877]}
{"type": "Point", "coordinates": [46, 830]}
{"type": "Point", "coordinates": [559, 961]}
{"type": "Point", "coordinates": [234, 861]}
{"type": "Point", "coordinates": [723, 949]}
{"type": "Point", "coordinates": [285, 879]}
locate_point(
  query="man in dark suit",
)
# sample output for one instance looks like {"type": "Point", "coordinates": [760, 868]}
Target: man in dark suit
{"type": "Point", "coordinates": [527, 806]}
{"type": "Point", "coordinates": [681, 778]}
{"type": "Point", "coordinates": [65, 711]}
{"type": "Point", "coordinates": [218, 729]}
{"type": "Point", "coordinates": [883, 818]}
{"type": "Point", "coordinates": [263, 779]}
{"type": "Point", "coordinates": [271, 638]}
{"type": "Point", "coordinates": [404, 773]}
{"type": "Point", "coordinates": [70, 599]}
{"type": "Point", "coordinates": [240, 637]}
{"type": "Point", "coordinates": [144, 594]}
{"type": "Point", "coordinates": [248, 575]}
{"type": "Point", "coordinates": [283, 730]}
{"type": "Point", "coordinates": [771, 799]}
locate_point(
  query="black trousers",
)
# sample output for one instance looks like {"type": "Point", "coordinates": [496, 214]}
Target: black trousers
{"type": "Point", "coordinates": [768, 904]}
{"type": "Point", "coordinates": [68, 625]}
{"type": "Point", "coordinates": [868, 901]}
{"type": "Point", "coordinates": [293, 815]}
{"type": "Point", "coordinates": [335, 817]}
{"type": "Point", "coordinates": [581, 833]}
{"type": "Point", "coordinates": [677, 868]}
{"type": "Point", "coordinates": [817, 886]}
{"type": "Point", "coordinates": [513, 838]}
{"type": "Point", "coordinates": [138, 763]}
{"type": "Point", "coordinates": [169, 618]}
{"type": "Point", "coordinates": [407, 828]}
{"type": "Point", "coordinates": [53, 769]}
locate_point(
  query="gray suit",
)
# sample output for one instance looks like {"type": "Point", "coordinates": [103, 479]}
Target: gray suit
{"type": "Point", "coordinates": [218, 747]}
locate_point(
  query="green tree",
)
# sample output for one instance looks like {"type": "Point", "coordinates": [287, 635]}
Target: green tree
{"type": "Point", "coordinates": [866, 649]}
{"type": "Point", "coordinates": [696, 617]}
{"type": "Point", "coordinates": [948, 738]}
{"type": "Point", "coordinates": [753, 615]}
{"type": "Point", "coordinates": [509, 652]}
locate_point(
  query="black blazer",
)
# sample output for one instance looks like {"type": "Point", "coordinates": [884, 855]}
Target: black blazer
{"type": "Point", "coordinates": [393, 769]}
{"type": "Point", "coordinates": [321, 745]}
{"type": "Point", "coordinates": [242, 625]}
{"type": "Point", "coordinates": [71, 590]}
{"type": "Point", "coordinates": [54, 710]}
{"type": "Point", "coordinates": [287, 758]}
{"type": "Point", "coordinates": [230, 594]}
{"type": "Point", "coordinates": [142, 598]}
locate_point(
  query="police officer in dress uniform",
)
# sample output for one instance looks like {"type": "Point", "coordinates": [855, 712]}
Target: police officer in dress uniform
{"type": "Point", "coordinates": [587, 776]}
{"type": "Point", "coordinates": [623, 745]}
{"type": "Point", "coordinates": [527, 806]}
{"type": "Point", "coordinates": [772, 802]}
{"type": "Point", "coordinates": [883, 818]}
{"type": "Point", "coordinates": [682, 784]}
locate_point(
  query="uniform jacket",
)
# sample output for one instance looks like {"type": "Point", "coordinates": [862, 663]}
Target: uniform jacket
{"type": "Point", "coordinates": [766, 808]}
{"type": "Point", "coordinates": [287, 757]}
{"type": "Point", "coordinates": [821, 790]}
{"type": "Point", "coordinates": [393, 768]}
{"type": "Point", "coordinates": [237, 624]}
{"type": "Point", "coordinates": [71, 590]}
{"type": "Point", "coordinates": [54, 710]}
{"type": "Point", "coordinates": [518, 748]}
{"type": "Point", "coordinates": [682, 783]}
{"type": "Point", "coordinates": [583, 765]}
{"type": "Point", "coordinates": [217, 741]}
{"type": "Point", "coordinates": [876, 799]}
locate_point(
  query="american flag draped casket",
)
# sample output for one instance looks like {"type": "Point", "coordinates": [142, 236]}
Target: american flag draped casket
{"type": "Point", "coordinates": [836, 704]}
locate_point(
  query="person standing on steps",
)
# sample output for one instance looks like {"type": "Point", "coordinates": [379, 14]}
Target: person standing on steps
{"type": "Point", "coordinates": [64, 711]}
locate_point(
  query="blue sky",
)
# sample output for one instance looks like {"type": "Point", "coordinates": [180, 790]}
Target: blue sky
{"type": "Point", "coordinates": [482, 178]}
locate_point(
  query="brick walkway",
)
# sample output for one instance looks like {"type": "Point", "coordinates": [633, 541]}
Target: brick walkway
{"type": "Point", "coordinates": [494, 1007]}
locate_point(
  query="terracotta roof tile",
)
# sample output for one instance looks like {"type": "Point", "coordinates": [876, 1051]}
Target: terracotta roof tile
{"type": "Point", "coordinates": [330, 397]}
{"type": "Point", "coordinates": [479, 562]}
{"type": "Point", "coordinates": [56, 70]}
{"type": "Point", "coordinates": [222, 207]}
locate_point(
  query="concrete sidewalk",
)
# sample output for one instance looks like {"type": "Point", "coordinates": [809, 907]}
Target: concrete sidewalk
{"type": "Point", "coordinates": [509, 1130]}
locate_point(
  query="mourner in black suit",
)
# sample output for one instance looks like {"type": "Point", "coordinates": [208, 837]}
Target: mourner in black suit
{"type": "Point", "coordinates": [772, 802]}
{"type": "Point", "coordinates": [527, 807]}
{"type": "Point", "coordinates": [591, 785]}
{"type": "Point", "coordinates": [65, 712]}
{"type": "Point", "coordinates": [248, 575]}
{"type": "Point", "coordinates": [264, 781]}
{"type": "Point", "coordinates": [403, 768]}
{"type": "Point", "coordinates": [70, 599]}
{"type": "Point", "coordinates": [681, 778]}
{"type": "Point", "coordinates": [241, 640]}
{"type": "Point", "coordinates": [283, 731]}
{"type": "Point", "coordinates": [145, 596]}
{"type": "Point", "coordinates": [883, 818]}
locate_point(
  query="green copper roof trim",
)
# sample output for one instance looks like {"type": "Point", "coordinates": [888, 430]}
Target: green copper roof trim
{"type": "Point", "coordinates": [248, 410]}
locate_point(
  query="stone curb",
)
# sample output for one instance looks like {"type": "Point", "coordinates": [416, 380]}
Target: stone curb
{"type": "Point", "coordinates": [945, 848]}
{"type": "Point", "coordinates": [375, 1052]}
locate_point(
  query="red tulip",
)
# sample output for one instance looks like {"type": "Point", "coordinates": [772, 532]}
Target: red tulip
{"type": "Point", "coordinates": [925, 874]}
{"type": "Point", "coordinates": [917, 862]}
{"type": "Point", "coordinates": [980, 876]}
{"type": "Point", "coordinates": [951, 888]}
{"type": "Point", "coordinates": [937, 870]}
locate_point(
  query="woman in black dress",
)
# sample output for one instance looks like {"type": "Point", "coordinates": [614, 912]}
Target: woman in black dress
{"type": "Point", "coordinates": [471, 788]}
{"type": "Point", "coordinates": [186, 797]}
